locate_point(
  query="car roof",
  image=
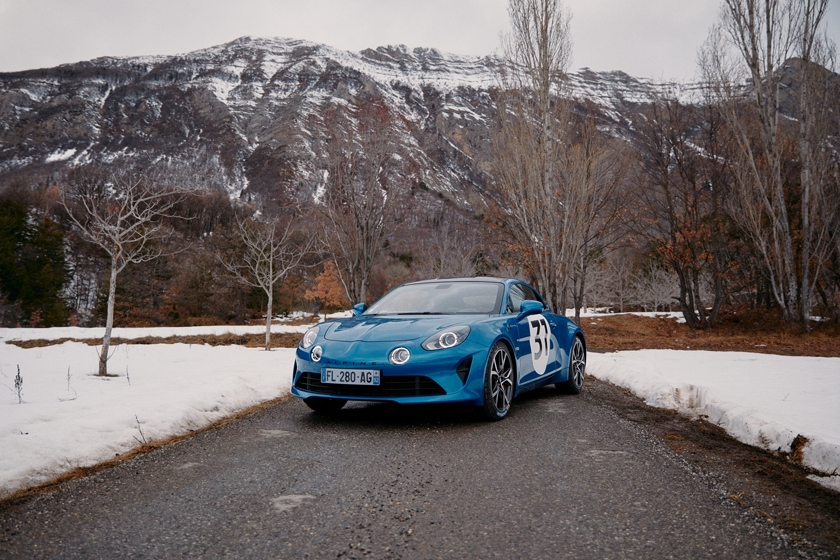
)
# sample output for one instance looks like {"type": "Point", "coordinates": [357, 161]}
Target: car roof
{"type": "Point", "coordinates": [474, 279]}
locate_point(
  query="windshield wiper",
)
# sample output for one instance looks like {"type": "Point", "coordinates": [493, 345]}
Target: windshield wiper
{"type": "Point", "coordinates": [420, 313]}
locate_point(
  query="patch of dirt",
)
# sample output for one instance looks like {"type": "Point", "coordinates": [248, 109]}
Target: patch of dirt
{"type": "Point", "coordinates": [631, 332]}
{"type": "Point", "coordinates": [278, 340]}
{"type": "Point", "coordinates": [772, 487]}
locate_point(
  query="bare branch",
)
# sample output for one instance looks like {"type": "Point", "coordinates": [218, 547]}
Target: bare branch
{"type": "Point", "coordinates": [121, 212]}
{"type": "Point", "coordinates": [269, 254]}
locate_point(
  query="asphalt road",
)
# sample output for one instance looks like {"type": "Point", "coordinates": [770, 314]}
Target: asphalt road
{"type": "Point", "coordinates": [561, 477]}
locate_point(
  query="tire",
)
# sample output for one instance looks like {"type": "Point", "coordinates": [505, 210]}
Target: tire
{"type": "Point", "coordinates": [498, 382]}
{"type": "Point", "coordinates": [577, 369]}
{"type": "Point", "coordinates": [324, 405]}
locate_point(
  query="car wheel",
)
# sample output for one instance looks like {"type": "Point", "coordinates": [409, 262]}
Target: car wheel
{"type": "Point", "coordinates": [498, 382]}
{"type": "Point", "coordinates": [577, 369]}
{"type": "Point", "coordinates": [321, 404]}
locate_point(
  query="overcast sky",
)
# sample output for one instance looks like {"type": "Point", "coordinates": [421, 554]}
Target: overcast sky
{"type": "Point", "coordinates": [645, 38]}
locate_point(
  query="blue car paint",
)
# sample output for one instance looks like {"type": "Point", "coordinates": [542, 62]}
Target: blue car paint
{"type": "Point", "coordinates": [365, 342]}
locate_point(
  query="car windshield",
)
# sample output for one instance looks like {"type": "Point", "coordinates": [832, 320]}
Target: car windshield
{"type": "Point", "coordinates": [441, 298]}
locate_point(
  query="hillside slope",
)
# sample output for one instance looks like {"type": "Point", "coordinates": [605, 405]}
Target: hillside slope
{"type": "Point", "coordinates": [252, 106]}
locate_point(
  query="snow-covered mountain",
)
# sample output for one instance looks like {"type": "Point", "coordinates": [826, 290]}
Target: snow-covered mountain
{"type": "Point", "coordinates": [250, 107]}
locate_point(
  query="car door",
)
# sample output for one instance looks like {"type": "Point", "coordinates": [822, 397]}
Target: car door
{"type": "Point", "coordinates": [536, 343]}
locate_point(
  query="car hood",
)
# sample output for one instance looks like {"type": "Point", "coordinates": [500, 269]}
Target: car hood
{"type": "Point", "coordinates": [390, 328]}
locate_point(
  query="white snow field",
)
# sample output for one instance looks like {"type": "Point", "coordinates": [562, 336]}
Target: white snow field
{"type": "Point", "coordinates": [162, 390]}
{"type": "Point", "coordinates": [170, 389]}
{"type": "Point", "coordinates": [79, 333]}
{"type": "Point", "coordinates": [760, 399]}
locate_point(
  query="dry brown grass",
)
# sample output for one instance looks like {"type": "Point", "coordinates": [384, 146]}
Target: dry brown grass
{"type": "Point", "coordinates": [278, 340]}
{"type": "Point", "coordinates": [743, 332]}
{"type": "Point", "coordinates": [747, 333]}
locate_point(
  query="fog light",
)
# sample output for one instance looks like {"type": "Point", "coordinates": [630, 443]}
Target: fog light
{"type": "Point", "coordinates": [399, 356]}
{"type": "Point", "coordinates": [316, 354]}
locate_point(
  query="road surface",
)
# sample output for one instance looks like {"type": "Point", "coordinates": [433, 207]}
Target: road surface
{"type": "Point", "coordinates": [561, 477]}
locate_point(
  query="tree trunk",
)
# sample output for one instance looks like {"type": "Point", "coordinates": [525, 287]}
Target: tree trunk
{"type": "Point", "coordinates": [580, 292]}
{"type": "Point", "coordinates": [270, 292]}
{"type": "Point", "coordinates": [686, 305]}
{"type": "Point", "coordinates": [109, 320]}
{"type": "Point", "coordinates": [805, 157]}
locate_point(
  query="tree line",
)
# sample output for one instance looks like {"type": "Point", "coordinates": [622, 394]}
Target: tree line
{"type": "Point", "coordinates": [735, 198]}
{"type": "Point", "coordinates": [731, 201]}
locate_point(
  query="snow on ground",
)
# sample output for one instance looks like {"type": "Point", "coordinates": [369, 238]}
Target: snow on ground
{"type": "Point", "coordinates": [600, 312]}
{"type": "Point", "coordinates": [162, 390]}
{"type": "Point", "coordinates": [760, 399]}
{"type": "Point", "coordinates": [80, 333]}
{"type": "Point", "coordinates": [832, 482]}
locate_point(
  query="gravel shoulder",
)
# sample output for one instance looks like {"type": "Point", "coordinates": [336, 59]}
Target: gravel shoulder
{"type": "Point", "coordinates": [767, 485]}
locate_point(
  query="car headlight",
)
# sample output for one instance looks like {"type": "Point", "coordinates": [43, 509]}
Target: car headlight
{"type": "Point", "coordinates": [399, 356]}
{"type": "Point", "coordinates": [447, 338]}
{"type": "Point", "coordinates": [309, 337]}
{"type": "Point", "coordinates": [316, 354]}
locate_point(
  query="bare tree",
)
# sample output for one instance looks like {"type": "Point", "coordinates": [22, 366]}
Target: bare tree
{"type": "Point", "coordinates": [359, 191]}
{"type": "Point", "coordinates": [123, 213]}
{"type": "Point", "coordinates": [593, 170]}
{"type": "Point", "coordinates": [269, 254]}
{"type": "Point", "coordinates": [620, 280]}
{"type": "Point", "coordinates": [681, 179]}
{"type": "Point", "coordinates": [609, 281]}
{"type": "Point", "coordinates": [654, 288]}
{"type": "Point", "coordinates": [529, 137]}
{"type": "Point", "coordinates": [597, 285]}
{"type": "Point", "coordinates": [555, 172]}
{"type": "Point", "coordinates": [828, 288]}
{"type": "Point", "coordinates": [753, 43]}
{"type": "Point", "coordinates": [448, 252]}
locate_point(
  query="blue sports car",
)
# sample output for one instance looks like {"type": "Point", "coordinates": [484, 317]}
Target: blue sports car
{"type": "Point", "coordinates": [479, 341]}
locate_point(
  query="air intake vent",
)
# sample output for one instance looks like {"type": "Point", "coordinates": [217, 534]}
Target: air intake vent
{"type": "Point", "coordinates": [463, 369]}
{"type": "Point", "coordinates": [402, 386]}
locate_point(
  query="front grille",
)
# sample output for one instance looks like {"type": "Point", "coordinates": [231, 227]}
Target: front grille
{"type": "Point", "coordinates": [404, 386]}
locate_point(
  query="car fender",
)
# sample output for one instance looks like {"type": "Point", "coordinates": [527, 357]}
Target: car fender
{"type": "Point", "coordinates": [498, 329]}
{"type": "Point", "coordinates": [569, 333]}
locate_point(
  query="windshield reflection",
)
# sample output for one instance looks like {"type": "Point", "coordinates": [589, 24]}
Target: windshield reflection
{"type": "Point", "coordinates": [441, 298]}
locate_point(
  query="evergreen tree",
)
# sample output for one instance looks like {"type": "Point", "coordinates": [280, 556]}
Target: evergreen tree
{"type": "Point", "coordinates": [33, 269]}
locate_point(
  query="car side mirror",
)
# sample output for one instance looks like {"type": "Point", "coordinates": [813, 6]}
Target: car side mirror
{"type": "Point", "coordinates": [530, 307]}
{"type": "Point", "coordinates": [358, 309]}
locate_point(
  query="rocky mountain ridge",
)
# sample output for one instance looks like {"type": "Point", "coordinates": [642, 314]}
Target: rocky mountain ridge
{"type": "Point", "coordinates": [250, 107]}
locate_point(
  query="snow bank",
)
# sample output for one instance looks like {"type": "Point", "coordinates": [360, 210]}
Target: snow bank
{"type": "Point", "coordinates": [832, 482]}
{"type": "Point", "coordinates": [602, 312]}
{"type": "Point", "coordinates": [79, 333]}
{"type": "Point", "coordinates": [760, 399]}
{"type": "Point", "coordinates": [169, 390]}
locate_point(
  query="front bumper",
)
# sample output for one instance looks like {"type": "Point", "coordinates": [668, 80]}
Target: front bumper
{"type": "Point", "coordinates": [453, 375]}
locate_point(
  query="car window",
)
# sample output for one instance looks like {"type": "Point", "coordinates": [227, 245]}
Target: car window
{"type": "Point", "coordinates": [516, 296]}
{"type": "Point", "coordinates": [441, 298]}
{"type": "Point", "coordinates": [529, 293]}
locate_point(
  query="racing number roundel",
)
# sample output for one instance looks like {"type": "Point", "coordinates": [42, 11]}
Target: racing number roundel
{"type": "Point", "coordinates": [540, 342]}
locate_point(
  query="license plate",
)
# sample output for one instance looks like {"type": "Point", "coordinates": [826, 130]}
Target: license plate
{"type": "Point", "coordinates": [340, 376]}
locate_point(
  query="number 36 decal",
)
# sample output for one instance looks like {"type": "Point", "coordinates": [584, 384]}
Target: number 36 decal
{"type": "Point", "coordinates": [540, 342]}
